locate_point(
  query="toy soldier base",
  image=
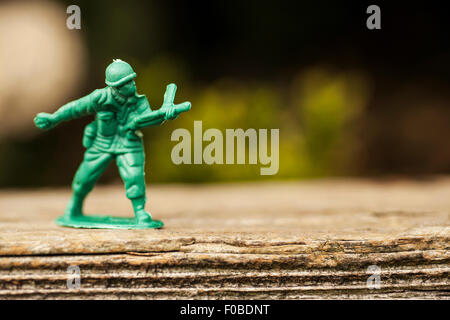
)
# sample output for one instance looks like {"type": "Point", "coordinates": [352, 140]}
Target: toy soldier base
{"type": "Point", "coordinates": [114, 135]}
{"type": "Point", "coordinates": [106, 222]}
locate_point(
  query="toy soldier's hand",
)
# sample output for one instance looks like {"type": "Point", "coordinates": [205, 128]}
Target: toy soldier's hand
{"type": "Point", "coordinates": [171, 113]}
{"type": "Point", "coordinates": [173, 110]}
{"type": "Point", "coordinates": [45, 121]}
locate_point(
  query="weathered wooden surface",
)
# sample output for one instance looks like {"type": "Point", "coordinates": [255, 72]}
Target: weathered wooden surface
{"type": "Point", "coordinates": [290, 240]}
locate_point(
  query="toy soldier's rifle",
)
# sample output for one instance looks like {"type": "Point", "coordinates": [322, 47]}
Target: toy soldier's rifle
{"type": "Point", "coordinates": [167, 110]}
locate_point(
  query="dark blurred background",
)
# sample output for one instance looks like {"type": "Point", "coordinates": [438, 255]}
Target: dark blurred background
{"type": "Point", "coordinates": [348, 101]}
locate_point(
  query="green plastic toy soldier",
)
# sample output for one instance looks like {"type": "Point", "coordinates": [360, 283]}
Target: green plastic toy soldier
{"type": "Point", "coordinates": [114, 135]}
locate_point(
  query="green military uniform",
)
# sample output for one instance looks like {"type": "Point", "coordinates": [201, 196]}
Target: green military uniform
{"type": "Point", "coordinates": [114, 135]}
{"type": "Point", "coordinates": [107, 139]}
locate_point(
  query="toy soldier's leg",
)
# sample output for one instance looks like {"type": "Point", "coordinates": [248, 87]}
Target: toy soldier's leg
{"type": "Point", "coordinates": [93, 165]}
{"type": "Point", "coordinates": [131, 169]}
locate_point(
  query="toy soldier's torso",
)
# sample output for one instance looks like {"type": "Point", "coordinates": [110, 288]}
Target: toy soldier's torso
{"type": "Point", "coordinates": [108, 131]}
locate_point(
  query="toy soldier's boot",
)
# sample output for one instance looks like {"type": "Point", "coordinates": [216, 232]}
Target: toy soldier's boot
{"type": "Point", "coordinates": [141, 215]}
{"type": "Point", "coordinates": [75, 206]}
{"type": "Point", "coordinates": [131, 169]}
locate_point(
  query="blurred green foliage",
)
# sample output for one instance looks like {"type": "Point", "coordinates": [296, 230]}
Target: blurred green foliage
{"type": "Point", "coordinates": [316, 115]}
{"type": "Point", "coordinates": [309, 69]}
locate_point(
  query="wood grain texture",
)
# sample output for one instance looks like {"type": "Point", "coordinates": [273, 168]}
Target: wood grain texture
{"type": "Point", "coordinates": [287, 240]}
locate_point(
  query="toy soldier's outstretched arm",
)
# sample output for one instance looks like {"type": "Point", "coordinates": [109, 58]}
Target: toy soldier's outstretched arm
{"type": "Point", "coordinates": [72, 110]}
{"type": "Point", "coordinates": [168, 111]}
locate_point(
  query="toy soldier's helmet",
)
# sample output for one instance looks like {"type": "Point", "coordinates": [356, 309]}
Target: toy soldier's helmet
{"type": "Point", "coordinates": [118, 72]}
